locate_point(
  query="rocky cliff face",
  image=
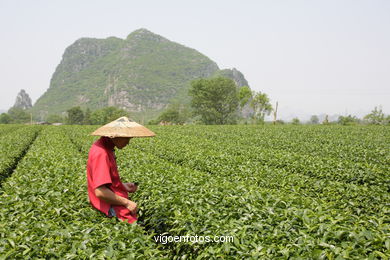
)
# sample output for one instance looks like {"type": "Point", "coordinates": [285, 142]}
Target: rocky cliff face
{"type": "Point", "coordinates": [23, 100]}
{"type": "Point", "coordinates": [235, 75]}
{"type": "Point", "coordinates": [142, 74]}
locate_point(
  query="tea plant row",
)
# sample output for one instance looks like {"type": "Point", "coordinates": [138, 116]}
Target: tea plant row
{"type": "Point", "coordinates": [281, 202]}
{"type": "Point", "coordinates": [13, 145]}
{"type": "Point", "coordinates": [45, 212]}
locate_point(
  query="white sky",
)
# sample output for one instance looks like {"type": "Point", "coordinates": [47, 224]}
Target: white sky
{"type": "Point", "coordinates": [311, 56]}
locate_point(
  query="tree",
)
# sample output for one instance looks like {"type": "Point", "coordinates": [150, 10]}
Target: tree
{"type": "Point", "coordinates": [5, 118]}
{"type": "Point", "coordinates": [261, 106]}
{"type": "Point", "coordinates": [87, 117]}
{"type": "Point", "coordinates": [215, 100]}
{"type": "Point", "coordinates": [376, 117]}
{"type": "Point", "coordinates": [326, 120]}
{"type": "Point", "coordinates": [19, 115]}
{"type": "Point", "coordinates": [295, 121]}
{"type": "Point", "coordinates": [314, 119]}
{"type": "Point", "coordinates": [244, 95]}
{"type": "Point", "coordinates": [348, 120]}
{"type": "Point", "coordinates": [170, 115]}
{"type": "Point", "coordinates": [175, 113]}
{"type": "Point", "coordinates": [98, 117]}
{"type": "Point", "coordinates": [106, 115]}
{"type": "Point", "coordinates": [75, 116]}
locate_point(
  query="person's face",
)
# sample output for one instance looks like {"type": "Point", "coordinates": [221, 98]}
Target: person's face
{"type": "Point", "coordinates": [121, 142]}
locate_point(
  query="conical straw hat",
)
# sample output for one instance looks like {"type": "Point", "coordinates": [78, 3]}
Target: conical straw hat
{"type": "Point", "coordinates": [123, 127]}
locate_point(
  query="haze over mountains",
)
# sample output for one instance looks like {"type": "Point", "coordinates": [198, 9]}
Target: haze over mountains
{"type": "Point", "coordinates": [142, 74]}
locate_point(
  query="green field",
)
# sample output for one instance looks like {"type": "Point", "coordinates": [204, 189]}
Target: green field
{"type": "Point", "coordinates": [288, 192]}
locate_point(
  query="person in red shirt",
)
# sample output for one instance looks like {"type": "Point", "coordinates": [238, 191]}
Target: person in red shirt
{"type": "Point", "coordinates": [106, 192]}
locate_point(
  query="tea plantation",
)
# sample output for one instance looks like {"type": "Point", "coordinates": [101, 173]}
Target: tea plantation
{"type": "Point", "coordinates": [282, 192]}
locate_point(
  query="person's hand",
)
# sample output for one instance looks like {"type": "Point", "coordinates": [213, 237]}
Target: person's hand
{"type": "Point", "coordinates": [130, 187]}
{"type": "Point", "coordinates": [132, 206]}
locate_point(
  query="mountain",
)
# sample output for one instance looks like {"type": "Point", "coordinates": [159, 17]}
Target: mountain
{"type": "Point", "coordinates": [142, 74]}
{"type": "Point", "coordinates": [23, 100]}
{"type": "Point", "coordinates": [233, 74]}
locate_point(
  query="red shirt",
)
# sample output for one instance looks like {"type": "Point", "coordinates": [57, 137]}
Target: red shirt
{"type": "Point", "coordinates": [102, 170]}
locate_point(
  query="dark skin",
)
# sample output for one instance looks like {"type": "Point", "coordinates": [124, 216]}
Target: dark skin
{"type": "Point", "coordinates": [120, 142]}
{"type": "Point", "coordinates": [104, 193]}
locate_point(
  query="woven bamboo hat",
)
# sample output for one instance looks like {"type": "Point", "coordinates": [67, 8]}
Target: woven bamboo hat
{"type": "Point", "coordinates": [123, 127]}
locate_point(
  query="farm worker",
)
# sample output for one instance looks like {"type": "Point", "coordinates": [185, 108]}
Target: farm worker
{"type": "Point", "coordinates": [106, 192]}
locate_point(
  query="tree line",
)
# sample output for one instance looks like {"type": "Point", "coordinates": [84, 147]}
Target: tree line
{"type": "Point", "coordinates": [214, 101]}
{"type": "Point", "coordinates": [376, 117]}
{"type": "Point", "coordinates": [73, 116]}
{"type": "Point", "coordinates": [217, 101]}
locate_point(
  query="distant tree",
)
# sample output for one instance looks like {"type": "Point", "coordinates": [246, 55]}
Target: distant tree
{"type": "Point", "coordinates": [5, 118]}
{"type": "Point", "coordinates": [106, 115]}
{"type": "Point", "coordinates": [376, 117]}
{"type": "Point", "coordinates": [98, 117]}
{"type": "Point", "coordinates": [19, 115]}
{"type": "Point", "coordinates": [314, 119]}
{"type": "Point", "coordinates": [326, 120]}
{"type": "Point", "coordinates": [348, 120]}
{"type": "Point", "coordinates": [215, 100]}
{"type": "Point", "coordinates": [175, 113]}
{"type": "Point", "coordinates": [244, 95]}
{"type": "Point", "coordinates": [170, 115]}
{"type": "Point", "coordinates": [387, 120]}
{"type": "Point", "coordinates": [261, 106]}
{"type": "Point", "coordinates": [295, 121]}
{"type": "Point", "coordinates": [87, 117]}
{"type": "Point", "coordinates": [153, 122]}
{"type": "Point", "coordinates": [75, 116]}
{"type": "Point", "coordinates": [54, 118]}
{"type": "Point", "coordinates": [113, 113]}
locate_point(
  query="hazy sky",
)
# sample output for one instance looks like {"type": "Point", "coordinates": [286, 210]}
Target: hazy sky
{"type": "Point", "coordinates": [311, 56]}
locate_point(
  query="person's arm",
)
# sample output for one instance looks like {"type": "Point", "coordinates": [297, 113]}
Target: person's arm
{"type": "Point", "coordinates": [104, 193]}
